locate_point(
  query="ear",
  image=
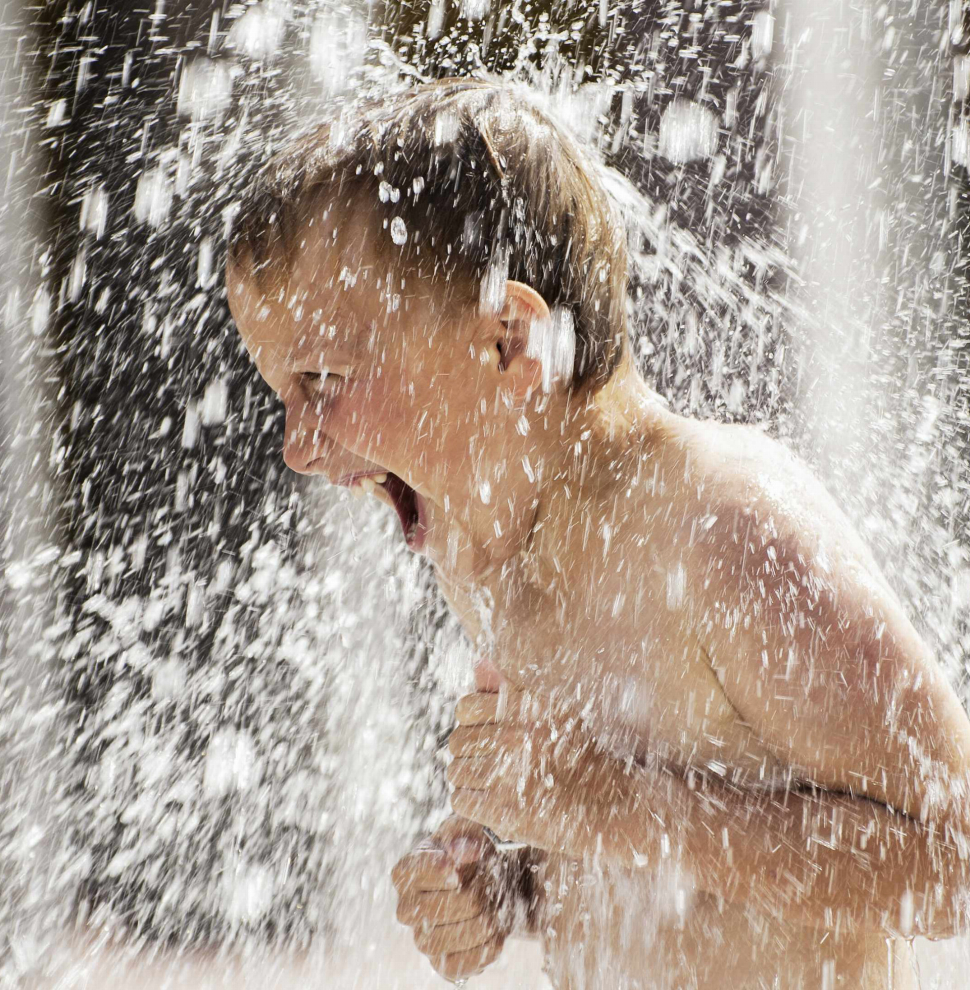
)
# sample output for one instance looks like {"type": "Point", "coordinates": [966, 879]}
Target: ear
{"type": "Point", "coordinates": [520, 370]}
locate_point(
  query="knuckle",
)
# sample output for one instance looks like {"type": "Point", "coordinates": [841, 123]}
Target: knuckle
{"type": "Point", "coordinates": [430, 942]}
{"type": "Point", "coordinates": [440, 964]}
{"type": "Point", "coordinates": [466, 705]}
{"type": "Point", "coordinates": [472, 896]}
{"type": "Point", "coordinates": [476, 960]}
{"type": "Point", "coordinates": [451, 968]}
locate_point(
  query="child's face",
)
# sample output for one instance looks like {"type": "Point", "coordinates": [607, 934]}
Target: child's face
{"type": "Point", "coordinates": [413, 390]}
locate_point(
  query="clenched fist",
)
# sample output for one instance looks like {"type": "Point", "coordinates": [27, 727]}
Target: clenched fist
{"type": "Point", "coordinates": [458, 894]}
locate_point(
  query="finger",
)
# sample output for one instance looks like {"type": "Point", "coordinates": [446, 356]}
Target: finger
{"type": "Point", "coordinates": [471, 856]}
{"type": "Point", "coordinates": [443, 940]}
{"type": "Point", "coordinates": [464, 842]}
{"type": "Point", "coordinates": [468, 963]}
{"type": "Point", "coordinates": [439, 907]}
{"type": "Point", "coordinates": [455, 827]}
{"type": "Point", "coordinates": [478, 774]}
{"type": "Point", "coordinates": [431, 869]}
{"type": "Point", "coordinates": [473, 740]}
{"type": "Point", "coordinates": [481, 807]}
{"type": "Point", "coordinates": [509, 704]}
{"type": "Point", "coordinates": [477, 709]}
{"type": "Point", "coordinates": [466, 738]}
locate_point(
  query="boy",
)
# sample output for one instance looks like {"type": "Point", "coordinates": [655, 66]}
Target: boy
{"type": "Point", "coordinates": [732, 759]}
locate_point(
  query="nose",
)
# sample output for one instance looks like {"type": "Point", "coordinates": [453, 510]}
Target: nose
{"type": "Point", "coordinates": [303, 438]}
{"type": "Point", "coordinates": [306, 443]}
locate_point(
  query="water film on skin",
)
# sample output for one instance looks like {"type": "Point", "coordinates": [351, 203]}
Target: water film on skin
{"type": "Point", "coordinates": [226, 689]}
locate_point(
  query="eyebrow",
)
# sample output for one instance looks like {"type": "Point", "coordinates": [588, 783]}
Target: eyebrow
{"type": "Point", "coordinates": [307, 340]}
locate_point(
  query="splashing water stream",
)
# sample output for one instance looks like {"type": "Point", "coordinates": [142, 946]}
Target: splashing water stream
{"type": "Point", "coordinates": [226, 688]}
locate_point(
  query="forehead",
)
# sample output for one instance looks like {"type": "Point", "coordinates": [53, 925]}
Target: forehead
{"type": "Point", "coordinates": [336, 268]}
{"type": "Point", "coordinates": [338, 276]}
{"type": "Point", "coordinates": [335, 280]}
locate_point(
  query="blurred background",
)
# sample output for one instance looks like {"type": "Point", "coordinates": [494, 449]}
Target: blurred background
{"type": "Point", "coordinates": [223, 690]}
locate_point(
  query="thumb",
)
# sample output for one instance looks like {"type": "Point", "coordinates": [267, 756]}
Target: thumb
{"type": "Point", "coordinates": [466, 850]}
{"type": "Point", "coordinates": [464, 840]}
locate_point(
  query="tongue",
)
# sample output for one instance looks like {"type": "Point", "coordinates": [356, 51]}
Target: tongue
{"type": "Point", "coordinates": [403, 495]}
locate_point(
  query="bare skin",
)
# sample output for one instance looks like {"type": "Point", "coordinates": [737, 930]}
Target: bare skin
{"type": "Point", "coordinates": [688, 637]}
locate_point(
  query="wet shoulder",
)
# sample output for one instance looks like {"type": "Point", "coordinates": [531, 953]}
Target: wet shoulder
{"type": "Point", "coordinates": [739, 468]}
{"type": "Point", "coordinates": [738, 463]}
{"type": "Point", "coordinates": [755, 499]}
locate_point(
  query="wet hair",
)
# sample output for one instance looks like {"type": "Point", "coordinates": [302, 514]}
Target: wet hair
{"type": "Point", "coordinates": [471, 181]}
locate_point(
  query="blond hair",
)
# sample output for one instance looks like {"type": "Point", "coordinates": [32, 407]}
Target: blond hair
{"type": "Point", "coordinates": [470, 179]}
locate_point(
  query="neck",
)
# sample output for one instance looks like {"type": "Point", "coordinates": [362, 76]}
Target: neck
{"type": "Point", "coordinates": [621, 421]}
{"type": "Point", "coordinates": [574, 448]}
{"type": "Point", "coordinates": [623, 405]}
{"type": "Point", "coordinates": [597, 432]}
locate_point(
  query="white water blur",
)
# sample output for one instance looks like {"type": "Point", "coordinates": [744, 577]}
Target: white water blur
{"type": "Point", "coordinates": [552, 341]}
{"type": "Point", "coordinates": [369, 757]}
{"type": "Point", "coordinates": [36, 870]}
{"type": "Point", "coordinates": [854, 415]}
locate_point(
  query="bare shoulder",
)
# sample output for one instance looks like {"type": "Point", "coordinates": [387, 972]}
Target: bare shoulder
{"type": "Point", "coordinates": [754, 488]}
{"type": "Point", "coordinates": [812, 646]}
{"type": "Point", "coordinates": [710, 496]}
{"type": "Point", "coordinates": [745, 467]}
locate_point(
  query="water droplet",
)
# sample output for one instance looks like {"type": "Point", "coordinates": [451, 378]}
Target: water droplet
{"type": "Point", "coordinates": [399, 232]}
{"type": "Point", "coordinates": [675, 587]}
{"type": "Point", "coordinates": [474, 10]}
{"type": "Point", "coordinates": [762, 33]}
{"type": "Point", "coordinates": [553, 343]}
{"type": "Point", "coordinates": [153, 198]}
{"type": "Point", "coordinates": [214, 402]}
{"type": "Point", "coordinates": [491, 296]}
{"type": "Point", "coordinates": [688, 131]}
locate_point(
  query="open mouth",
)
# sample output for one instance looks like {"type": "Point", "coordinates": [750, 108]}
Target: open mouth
{"type": "Point", "coordinates": [405, 500]}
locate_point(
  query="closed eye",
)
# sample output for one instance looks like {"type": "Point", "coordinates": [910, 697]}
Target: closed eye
{"type": "Point", "coordinates": [321, 382]}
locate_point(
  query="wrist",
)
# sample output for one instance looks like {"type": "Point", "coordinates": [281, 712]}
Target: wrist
{"type": "Point", "coordinates": [510, 892]}
{"type": "Point", "coordinates": [530, 894]}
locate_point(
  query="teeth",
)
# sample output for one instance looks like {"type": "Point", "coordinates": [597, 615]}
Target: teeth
{"type": "Point", "coordinates": [368, 485]}
{"type": "Point", "coordinates": [378, 479]}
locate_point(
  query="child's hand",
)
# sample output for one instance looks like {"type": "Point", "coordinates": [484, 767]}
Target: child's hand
{"type": "Point", "coordinates": [537, 777]}
{"type": "Point", "coordinates": [450, 892]}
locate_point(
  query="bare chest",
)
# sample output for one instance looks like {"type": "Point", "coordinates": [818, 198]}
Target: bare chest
{"type": "Point", "coordinates": [623, 652]}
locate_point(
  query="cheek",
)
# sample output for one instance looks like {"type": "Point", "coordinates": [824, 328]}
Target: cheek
{"type": "Point", "coordinates": [376, 413]}
{"type": "Point", "coordinates": [410, 413]}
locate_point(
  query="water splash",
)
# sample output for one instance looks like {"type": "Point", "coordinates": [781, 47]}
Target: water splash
{"type": "Point", "coordinates": [195, 596]}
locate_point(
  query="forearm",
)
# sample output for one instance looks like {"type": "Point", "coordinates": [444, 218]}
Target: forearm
{"type": "Point", "coordinates": [823, 860]}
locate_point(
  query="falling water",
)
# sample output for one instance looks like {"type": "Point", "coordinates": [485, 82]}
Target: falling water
{"type": "Point", "coordinates": [226, 689]}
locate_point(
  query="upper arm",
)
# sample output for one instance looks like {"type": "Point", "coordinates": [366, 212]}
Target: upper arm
{"type": "Point", "coordinates": [819, 658]}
